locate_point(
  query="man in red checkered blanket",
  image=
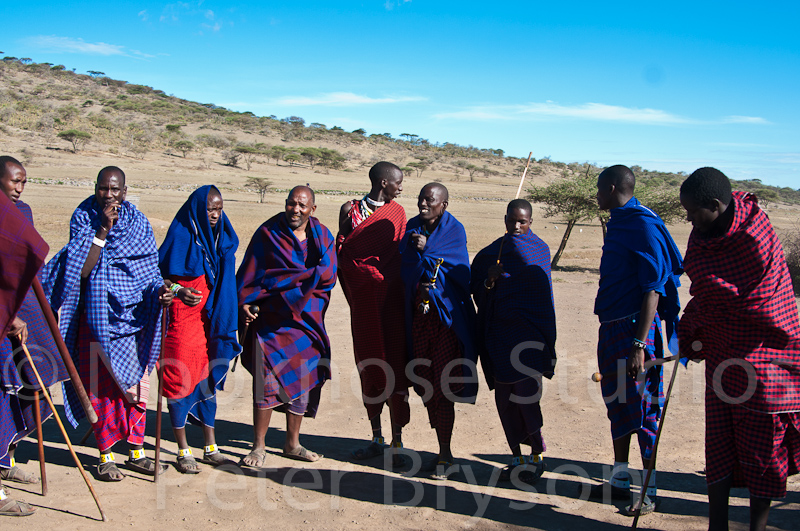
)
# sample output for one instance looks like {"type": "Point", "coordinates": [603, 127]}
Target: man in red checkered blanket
{"type": "Point", "coordinates": [743, 322]}
{"type": "Point", "coordinates": [370, 230]}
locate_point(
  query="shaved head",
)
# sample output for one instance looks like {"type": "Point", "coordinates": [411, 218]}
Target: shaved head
{"type": "Point", "coordinates": [620, 176]}
{"type": "Point", "coordinates": [520, 204]}
{"type": "Point", "coordinates": [384, 170]}
{"type": "Point", "coordinates": [445, 195]}
{"type": "Point", "coordinates": [111, 170]}
{"type": "Point", "coordinates": [306, 189]}
{"type": "Point", "coordinates": [5, 160]}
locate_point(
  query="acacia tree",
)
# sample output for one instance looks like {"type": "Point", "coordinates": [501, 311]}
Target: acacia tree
{"type": "Point", "coordinates": [418, 166]}
{"type": "Point", "coordinates": [78, 139]}
{"type": "Point", "coordinates": [248, 154]}
{"type": "Point", "coordinates": [184, 146]}
{"type": "Point", "coordinates": [261, 186]}
{"type": "Point", "coordinates": [570, 197]}
{"type": "Point", "coordinates": [573, 197]}
{"type": "Point", "coordinates": [312, 155]}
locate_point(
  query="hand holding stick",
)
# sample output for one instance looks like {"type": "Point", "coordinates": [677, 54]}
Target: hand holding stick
{"type": "Point", "coordinates": [253, 311]}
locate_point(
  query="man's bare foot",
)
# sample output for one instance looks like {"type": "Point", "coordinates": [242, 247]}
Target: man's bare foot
{"type": "Point", "coordinates": [11, 507]}
{"type": "Point", "coordinates": [255, 458]}
{"type": "Point", "coordinates": [17, 475]}
{"type": "Point", "coordinates": [108, 471]}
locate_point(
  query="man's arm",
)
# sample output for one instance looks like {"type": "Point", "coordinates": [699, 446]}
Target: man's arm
{"type": "Point", "coordinates": [345, 227]}
{"type": "Point", "coordinates": [109, 216]}
{"type": "Point", "coordinates": [647, 313]}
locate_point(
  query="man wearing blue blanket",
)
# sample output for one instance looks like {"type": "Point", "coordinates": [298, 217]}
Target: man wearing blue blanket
{"type": "Point", "coordinates": [639, 279]}
{"type": "Point", "coordinates": [516, 334]}
{"type": "Point", "coordinates": [440, 318]}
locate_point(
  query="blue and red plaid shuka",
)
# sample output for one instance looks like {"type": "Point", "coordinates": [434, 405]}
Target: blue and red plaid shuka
{"type": "Point", "coordinates": [292, 293]}
{"type": "Point", "coordinates": [743, 313]}
{"type": "Point", "coordinates": [121, 297]}
{"type": "Point", "coordinates": [518, 309]}
{"type": "Point", "coordinates": [639, 256]}
{"type": "Point", "coordinates": [631, 409]}
{"type": "Point", "coordinates": [22, 252]}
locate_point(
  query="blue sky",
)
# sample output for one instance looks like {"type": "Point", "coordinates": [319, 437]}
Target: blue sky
{"type": "Point", "coordinates": [670, 87]}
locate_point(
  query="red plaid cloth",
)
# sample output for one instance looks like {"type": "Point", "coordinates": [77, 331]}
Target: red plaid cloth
{"type": "Point", "coordinates": [743, 308]}
{"type": "Point", "coordinates": [759, 450]}
{"type": "Point", "coordinates": [743, 311]}
{"type": "Point", "coordinates": [435, 346]}
{"type": "Point", "coordinates": [118, 418]}
{"type": "Point", "coordinates": [369, 272]}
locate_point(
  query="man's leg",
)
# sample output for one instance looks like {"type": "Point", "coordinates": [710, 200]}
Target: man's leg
{"type": "Point", "coordinates": [15, 473]}
{"type": "Point", "coordinates": [718, 494]}
{"type": "Point", "coordinates": [618, 486]}
{"type": "Point", "coordinates": [258, 453]}
{"type": "Point", "coordinates": [446, 416]}
{"type": "Point", "coordinates": [185, 462]}
{"type": "Point", "coordinates": [292, 443]}
{"type": "Point", "coordinates": [759, 513]}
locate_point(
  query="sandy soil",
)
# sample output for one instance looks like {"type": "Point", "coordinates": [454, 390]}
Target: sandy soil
{"type": "Point", "coordinates": [338, 493]}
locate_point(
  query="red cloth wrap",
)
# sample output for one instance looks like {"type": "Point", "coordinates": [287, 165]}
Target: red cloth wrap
{"type": "Point", "coordinates": [743, 311]}
{"type": "Point", "coordinates": [186, 344]}
{"type": "Point", "coordinates": [369, 272]}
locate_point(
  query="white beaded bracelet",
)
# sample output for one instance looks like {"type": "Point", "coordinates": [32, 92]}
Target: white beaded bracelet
{"type": "Point", "coordinates": [98, 242]}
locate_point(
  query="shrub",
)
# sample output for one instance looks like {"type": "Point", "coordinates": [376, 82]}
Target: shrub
{"type": "Point", "coordinates": [791, 248]}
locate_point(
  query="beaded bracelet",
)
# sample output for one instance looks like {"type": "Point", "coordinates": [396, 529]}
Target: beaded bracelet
{"type": "Point", "coordinates": [638, 343]}
{"type": "Point", "coordinates": [175, 288]}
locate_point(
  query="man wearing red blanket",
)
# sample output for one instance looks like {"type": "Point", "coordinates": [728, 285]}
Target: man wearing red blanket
{"type": "Point", "coordinates": [370, 230]}
{"type": "Point", "coordinates": [743, 322]}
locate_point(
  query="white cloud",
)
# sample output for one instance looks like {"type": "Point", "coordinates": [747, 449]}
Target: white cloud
{"type": "Point", "coordinates": [391, 4]}
{"type": "Point", "coordinates": [343, 99]}
{"type": "Point", "coordinates": [143, 15]}
{"type": "Point", "coordinates": [600, 112]}
{"type": "Point", "coordinates": [745, 120]}
{"type": "Point", "coordinates": [193, 13]}
{"type": "Point", "coordinates": [53, 43]}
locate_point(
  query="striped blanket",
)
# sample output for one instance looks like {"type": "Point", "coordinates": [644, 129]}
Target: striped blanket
{"type": "Point", "coordinates": [292, 292]}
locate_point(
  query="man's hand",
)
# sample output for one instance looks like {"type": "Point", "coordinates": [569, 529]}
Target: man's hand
{"type": "Point", "coordinates": [495, 272]}
{"type": "Point", "coordinates": [190, 296]}
{"type": "Point", "coordinates": [249, 316]}
{"type": "Point", "coordinates": [165, 296]}
{"type": "Point", "coordinates": [109, 216]}
{"type": "Point", "coordinates": [19, 329]}
{"type": "Point", "coordinates": [418, 241]}
{"type": "Point", "coordinates": [635, 362]}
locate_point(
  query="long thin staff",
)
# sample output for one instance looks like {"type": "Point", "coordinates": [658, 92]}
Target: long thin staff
{"type": "Point", "coordinates": [62, 349]}
{"type": "Point", "coordinates": [159, 408]}
{"type": "Point", "coordinates": [254, 309]}
{"type": "Point", "coordinates": [646, 481]}
{"type": "Point", "coordinates": [519, 190]}
{"type": "Point", "coordinates": [64, 432]}
{"type": "Point", "coordinates": [37, 413]}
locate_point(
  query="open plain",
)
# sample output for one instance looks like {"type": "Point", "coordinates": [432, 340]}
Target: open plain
{"type": "Point", "coordinates": [338, 493]}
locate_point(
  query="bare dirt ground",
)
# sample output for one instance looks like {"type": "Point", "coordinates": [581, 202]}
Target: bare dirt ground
{"type": "Point", "coordinates": [338, 493]}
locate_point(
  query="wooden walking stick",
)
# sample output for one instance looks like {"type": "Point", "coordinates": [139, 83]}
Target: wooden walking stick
{"type": "Point", "coordinates": [62, 349]}
{"type": "Point", "coordinates": [646, 481]}
{"type": "Point", "coordinates": [160, 392]}
{"type": "Point", "coordinates": [254, 309]}
{"type": "Point", "coordinates": [64, 431]}
{"type": "Point", "coordinates": [519, 190]}
{"type": "Point", "coordinates": [37, 413]}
